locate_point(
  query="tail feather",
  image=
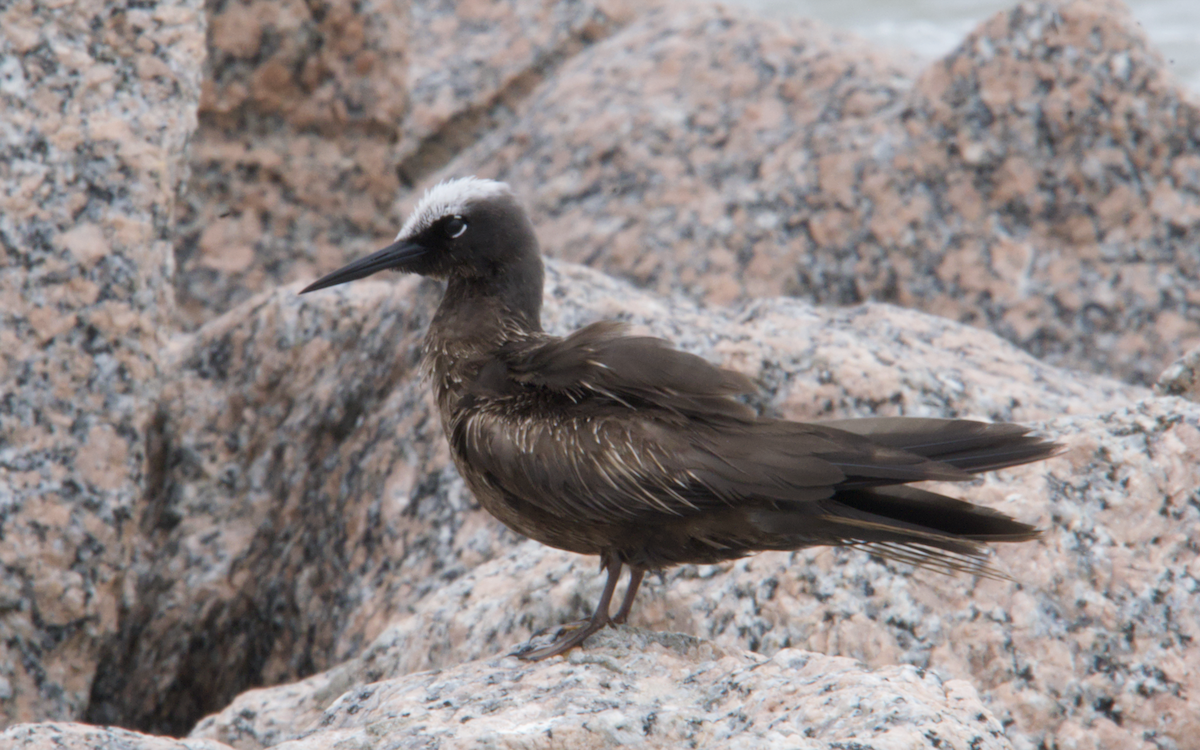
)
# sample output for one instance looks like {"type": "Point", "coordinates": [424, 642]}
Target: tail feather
{"type": "Point", "coordinates": [902, 523]}
{"type": "Point", "coordinates": [974, 563]}
{"type": "Point", "coordinates": [929, 511]}
{"type": "Point", "coordinates": [964, 444]}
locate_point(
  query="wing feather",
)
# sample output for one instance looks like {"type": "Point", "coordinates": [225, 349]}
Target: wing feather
{"type": "Point", "coordinates": [599, 360]}
{"type": "Point", "coordinates": [605, 428]}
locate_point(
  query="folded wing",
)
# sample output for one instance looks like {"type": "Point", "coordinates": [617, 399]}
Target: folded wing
{"type": "Point", "coordinates": [613, 429]}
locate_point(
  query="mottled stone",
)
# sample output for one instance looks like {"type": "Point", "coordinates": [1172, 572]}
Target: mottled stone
{"type": "Point", "coordinates": [284, 507]}
{"type": "Point", "coordinates": [1095, 647]}
{"type": "Point", "coordinates": [626, 688]}
{"type": "Point", "coordinates": [67, 736]}
{"type": "Point", "coordinates": [707, 151]}
{"type": "Point", "coordinates": [98, 100]}
{"type": "Point", "coordinates": [315, 113]}
{"type": "Point", "coordinates": [1042, 180]}
{"type": "Point", "coordinates": [662, 690]}
{"type": "Point", "coordinates": [1182, 378]}
{"type": "Point", "coordinates": [670, 170]}
{"type": "Point", "coordinates": [291, 455]}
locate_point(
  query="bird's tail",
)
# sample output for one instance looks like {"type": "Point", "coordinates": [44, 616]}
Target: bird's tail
{"type": "Point", "coordinates": [965, 444]}
{"type": "Point", "coordinates": [914, 525]}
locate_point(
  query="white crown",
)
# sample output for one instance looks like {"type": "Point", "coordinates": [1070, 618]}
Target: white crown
{"type": "Point", "coordinates": [448, 199]}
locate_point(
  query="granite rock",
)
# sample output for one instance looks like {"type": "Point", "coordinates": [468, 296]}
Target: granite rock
{"type": "Point", "coordinates": [1041, 180]}
{"type": "Point", "coordinates": [1092, 645]}
{"type": "Point", "coordinates": [269, 497]}
{"type": "Point", "coordinates": [1038, 181]}
{"type": "Point", "coordinates": [1182, 378]}
{"type": "Point", "coordinates": [98, 99]}
{"type": "Point", "coordinates": [68, 736]}
{"type": "Point", "coordinates": [315, 113]}
{"type": "Point", "coordinates": [284, 488]}
{"type": "Point", "coordinates": [632, 688]}
{"type": "Point", "coordinates": [626, 688]}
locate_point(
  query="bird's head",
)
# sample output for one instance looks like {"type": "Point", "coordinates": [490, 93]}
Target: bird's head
{"type": "Point", "coordinates": [469, 228]}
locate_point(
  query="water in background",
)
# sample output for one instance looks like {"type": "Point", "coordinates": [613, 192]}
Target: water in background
{"type": "Point", "coordinates": [933, 27]}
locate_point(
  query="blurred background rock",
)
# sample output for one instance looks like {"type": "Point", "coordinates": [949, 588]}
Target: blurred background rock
{"type": "Point", "coordinates": [1040, 179]}
{"type": "Point", "coordinates": [932, 28]}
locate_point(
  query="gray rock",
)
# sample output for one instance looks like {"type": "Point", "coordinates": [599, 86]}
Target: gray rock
{"type": "Point", "coordinates": [288, 479]}
{"type": "Point", "coordinates": [315, 115]}
{"type": "Point", "coordinates": [98, 101]}
{"type": "Point", "coordinates": [1089, 646]}
{"type": "Point", "coordinates": [1182, 378]}
{"type": "Point", "coordinates": [68, 736]}
{"type": "Point", "coordinates": [1011, 185]}
{"type": "Point", "coordinates": [1041, 181]}
{"type": "Point", "coordinates": [630, 688]}
{"type": "Point", "coordinates": [625, 688]}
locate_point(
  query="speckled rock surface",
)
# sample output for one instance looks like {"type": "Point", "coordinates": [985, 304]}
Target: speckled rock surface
{"type": "Point", "coordinates": [636, 689]}
{"type": "Point", "coordinates": [1182, 378]}
{"type": "Point", "coordinates": [626, 688]}
{"type": "Point", "coordinates": [681, 170]}
{"type": "Point", "coordinates": [67, 736]}
{"type": "Point", "coordinates": [98, 100]}
{"type": "Point", "coordinates": [315, 113]}
{"type": "Point", "coordinates": [284, 506]}
{"type": "Point", "coordinates": [1042, 180]}
{"type": "Point", "coordinates": [1094, 648]}
{"type": "Point", "coordinates": [292, 457]}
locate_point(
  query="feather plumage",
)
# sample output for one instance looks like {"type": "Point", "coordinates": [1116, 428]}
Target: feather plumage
{"type": "Point", "coordinates": [624, 433]}
{"type": "Point", "coordinates": [625, 447]}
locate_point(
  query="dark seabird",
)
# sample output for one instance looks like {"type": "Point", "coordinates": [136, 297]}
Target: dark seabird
{"type": "Point", "coordinates": [621, 446]}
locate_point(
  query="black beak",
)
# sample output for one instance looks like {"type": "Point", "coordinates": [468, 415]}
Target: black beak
{"type": "Point", "coordinates": [395, 255]}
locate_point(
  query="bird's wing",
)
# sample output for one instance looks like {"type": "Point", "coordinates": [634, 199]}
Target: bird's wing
{"type": "Point", "coordinates": [612, 466]}
{"type": "Point", "coordinates": [600, 428]}
{"type": "Point", "coordinates": [600, 362]}
{"type": "Point", "coordinates": [609, 463]}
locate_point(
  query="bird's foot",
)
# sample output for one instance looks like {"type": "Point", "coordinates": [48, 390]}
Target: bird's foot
{"type": "Point", "coordinates": [572, 634]}
{"type": "Point", "coordinates": [568, 627]}
{"type": "Point", "coordinates": [568, 637]}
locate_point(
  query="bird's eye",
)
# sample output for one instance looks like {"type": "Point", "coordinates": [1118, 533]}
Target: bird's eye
{"type": "Point", "coordinates": [454, 227]}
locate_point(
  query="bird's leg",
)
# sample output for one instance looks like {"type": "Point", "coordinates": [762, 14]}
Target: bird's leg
{"type": "Point", "coordinates": [635, 580]}
{"type": "Point", "coordinates": [599, 618]}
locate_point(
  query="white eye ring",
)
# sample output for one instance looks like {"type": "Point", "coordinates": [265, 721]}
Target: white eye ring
{"type": "Point", "coordinates": [454, 232]}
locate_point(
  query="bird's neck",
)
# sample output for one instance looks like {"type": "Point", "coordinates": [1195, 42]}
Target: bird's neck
{"type": "Point", "coordinates": [476, 318]}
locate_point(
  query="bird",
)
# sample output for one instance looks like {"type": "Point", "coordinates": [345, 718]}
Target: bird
{"type": "Point", "coordinates": [606, 443]}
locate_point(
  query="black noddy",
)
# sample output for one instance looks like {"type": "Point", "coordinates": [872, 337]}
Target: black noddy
{"type": "Point", "coordinates": [622, 446]}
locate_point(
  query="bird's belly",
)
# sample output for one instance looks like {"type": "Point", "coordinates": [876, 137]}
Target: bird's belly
{"type": "Point", "coordinates": [529, 520]}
